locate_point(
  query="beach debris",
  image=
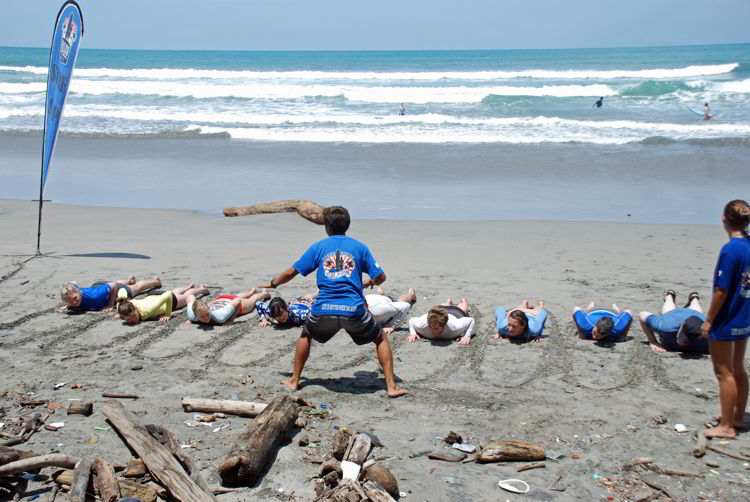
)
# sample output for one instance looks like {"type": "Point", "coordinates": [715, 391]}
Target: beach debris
{"type": "Point", "coordinates": [383, 476]}
{"type": "Point", "coordinates": [331, 465]}
{"type": "Point", "coordinates": [246, 461]}
{"type": "Point", "coordinates": [223, 406]}
{"type": "Point", "coordinates": [80, 408]}
{"type": "Point", "coordinates": [658, 487]}
{"type": "Point", "coordinates": [467, 448]}
{"type": "Point", "coordinates": [309, 210]}
{"type": "Point", "coordinates": [135, 468]}
{"type": "Point", "coordinates": [509, 485]}
{"type": "Point", "coordinates": [38, 462]}
{"type": "Point", "coordinates": [54, 426]}
{"type": "Point", "coordinates": [727, 453]}
{"type": "Point", "coordinates": [81, 476]}
{"type": "Point", "coordinates": [447, 455]}
{"type": "Point", "coordinates": [552, 454]}
{"type": "Point", "coordinates": [508, 449]}
{"type": "Point", "coordinates": [350, 470]}
{"type": "Point", "coordinates": [61, 384]}
{"type": "Point", "coordinates": [555, 485]}
{"type": "Point", "coordinates": [340, 443]}
{"type": "Point", "coordinates": [116, 395]}
{"type": "Point", "coordinates": [359, 449]}
{"type": "Point", "coordinates": [711, 463]}
{"type": "Point", "coordinates": [376, 442]}
{"type": "Point", "coordinates": [533, 465]}
{"type": "Point", "coordinates": [700, 445]}
{"type": "Point", "coordinates": [680, 428]}
{"type": "Point", "coordinates": [453, 437]}
{"type": "Point", "coordinates": [76, 386]}
{"type": "Point", "coordinates": [209, 418]}
{"type": "Point", "coordinates": [648, 463]}
{"type": "Point", "coordinates": [137, 367]}
{"type": "Point", "coordinates": [159, 460]}
{"type": "Point", "coordinates": [105, 481]}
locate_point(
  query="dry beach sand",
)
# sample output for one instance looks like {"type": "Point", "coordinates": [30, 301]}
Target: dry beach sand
{"type": "Point", "coordinates": [593, 404]}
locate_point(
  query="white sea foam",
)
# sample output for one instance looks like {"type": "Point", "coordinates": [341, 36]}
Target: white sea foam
{"type": "Point", "coordinates": [190, 73]}
{"type": "Point", "coordinates": [738, 86]}
{"type": "Point", "coordinates": [380, 94]}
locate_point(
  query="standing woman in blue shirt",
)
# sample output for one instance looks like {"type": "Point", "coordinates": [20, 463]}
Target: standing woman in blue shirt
{"type": "Point", "coordinates": [727, 324]}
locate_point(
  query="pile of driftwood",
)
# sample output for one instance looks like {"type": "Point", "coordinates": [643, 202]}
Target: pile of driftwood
{"type": "Point", "coordinates": [160, 468]}
{"type": "Point", "coordinates": [350, 477]}
{"type": "Point", "coordinates": [308, 209]}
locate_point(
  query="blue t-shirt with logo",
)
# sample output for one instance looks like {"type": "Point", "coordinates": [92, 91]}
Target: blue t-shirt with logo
{"type": "Point", "coordinates": [94, 298]}
{"type": "Point", "coordinates": [340, 262]}
{"type": "Point", "coordinates": [733, 275]}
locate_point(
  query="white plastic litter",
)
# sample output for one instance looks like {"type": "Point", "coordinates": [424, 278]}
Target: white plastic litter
{"type": "Point", "coordinates": [350, 469]}
{"type": "Point", "coordinates": [680, 428]}
{"type": "Point", "coordinates": [507, 485]}
{"type": "Point", "coordinates": [468, 448]}
{"type": "Point", "coordinates": [58, 385]}
{"type": "Point", "coordinates": [222, 427]}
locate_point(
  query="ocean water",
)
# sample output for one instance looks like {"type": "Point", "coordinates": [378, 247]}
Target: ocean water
{"type": "Point", "coordinates": [485, 135]}
{"type": "Point", "coordinates": [526, 97]}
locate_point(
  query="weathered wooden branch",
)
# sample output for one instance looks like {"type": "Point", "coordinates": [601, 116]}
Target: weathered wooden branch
{"type": "Point", "coordinates": [80, 408]}
{"type": "Point", "coordinates": [246, 461]}
{"type": "Point", "coordinates": [307, 209]}
{"type": "Point", "coordinates": [376, 493]}
{"type": "Point", "coordinates": [161, 464]}
{"type": "Point", "coordinates": [80, 484]}
{"type": "Point", "coordinates": [8, 455]}
{"type": "Point", "coordinates": [721, 451]}
{"type": "Point", "coordinates": [505, 450]}
{"type": "Point", "coordinates": [360, 449]}
{"type": "Point", "coordinates": [239, 408]}
{"type": "Point", "coordinates": [28, 464]}
{"type": "Point", "coordinates": [533, 465]}
{"type": "Point", "coordinates": [105, 480]}
{"type": "Point", "coordinates": [116, 395]}
{"type": "Point", "coordinates": [700, 445]}
{"type": "Point", "coordinates": [166, 438]}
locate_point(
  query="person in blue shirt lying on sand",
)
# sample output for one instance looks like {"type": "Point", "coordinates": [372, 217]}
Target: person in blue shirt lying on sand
{"type": "Point", "coordinates": [283, 314]}
{"type": "Point", "coordinates": [225, 308]}
{"type": "Point", "coordinates": [522, 324]}
{"type": "Point", "coordinates": [340, 262]}
{"type": "Point", "coordinates": [679, 330]}
{"type": "Point", "coordinates": [102, 294]}
{"type": "Point", "coordinates": [601, 324]}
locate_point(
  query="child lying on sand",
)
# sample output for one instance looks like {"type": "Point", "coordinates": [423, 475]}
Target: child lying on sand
{"type": "Point", "coordinates": [285, 314]}
{"type": "Point", "coordinates": [156, 306]}
{"type": "Point", "coordinates": [444, 322]}
{"type": "Point", "coordinates": [101, 295]}
{"type": "Point", "coordinates": [523, 323]}
{"type": "Point", "coordinates": [225, 308]}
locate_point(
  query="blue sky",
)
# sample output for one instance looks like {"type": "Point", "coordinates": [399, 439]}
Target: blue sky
{"type": "Point", "coordinates": [384, 24]}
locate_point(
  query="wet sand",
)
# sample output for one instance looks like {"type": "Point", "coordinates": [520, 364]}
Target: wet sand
{"type": "Point", "coordinates": [595, 404]}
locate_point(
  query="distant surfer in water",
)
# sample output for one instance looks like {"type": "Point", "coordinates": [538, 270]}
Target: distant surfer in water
{"type": "Point", "coordinates": [402, 110]}
{"type": "Point", "coordinates": [706, 111]}
{"type": "Point", "coordinates": [599, 102]}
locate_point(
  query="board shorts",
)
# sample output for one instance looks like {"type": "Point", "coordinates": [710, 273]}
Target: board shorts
{"type": "Point", "coordinates": [118, 287]}
{"type": "Point", "coordinates": [452, 310]}
{"type": "Point", "coordinates": [362, 329]}
{"type": "Point", "coordinates": [230, 297]}
{"type": "Point", "coordinates": [668, 339]}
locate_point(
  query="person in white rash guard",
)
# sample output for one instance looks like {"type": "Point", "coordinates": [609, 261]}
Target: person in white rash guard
{"type": "Point", "coordinates": [388, 312]}
{"type": "Point", "coordinates": [444, 322]}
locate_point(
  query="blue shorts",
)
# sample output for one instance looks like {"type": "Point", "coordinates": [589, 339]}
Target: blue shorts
{"type": "Point", "coordinates": [728, 337]}
{"type": "Point", "coordinates": [536, 322]}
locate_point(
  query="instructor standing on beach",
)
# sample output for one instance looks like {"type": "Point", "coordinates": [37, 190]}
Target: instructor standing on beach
{"type": "Point", "coordinates": [340, 304]}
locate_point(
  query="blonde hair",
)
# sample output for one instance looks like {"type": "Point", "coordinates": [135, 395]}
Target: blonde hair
{"type": "Point", "coordinates": [437, 317]}
{"type": "Point", "coordinates": [199, 304]}
{"type": "Point", "coordinates": [67, 288]}
{"type": "Point", "coordinates": [737, 214]}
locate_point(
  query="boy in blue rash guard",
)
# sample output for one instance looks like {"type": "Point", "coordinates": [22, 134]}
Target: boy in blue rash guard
{"type": "Point", "coordinates": [678, 330]}
{"type": "Point", "coordinates": [602, 325]}
{"type": "Point", "coordinates": [340, 304]}
{"type": "Point", "coordinates": [727, 323]}
{"type": "Point", "coordinates": [101, 295]}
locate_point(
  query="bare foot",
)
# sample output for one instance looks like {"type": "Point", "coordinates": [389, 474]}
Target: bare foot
{"type": "Point", "coordinates": [448, 302]}
{"type": "Point", "coordinates": [203, 290]}
{"type": "Point", "coordinates": [720, 432]}
{"type": "Point", "coordinates": [253, 291]}
{"type": "Point", "coordinates": [541, 304]}
{"type": "Point", "coordinates": [412, 295]}
{"type": "Point", "coordinates": [131, 279]}
{"type": "Point", "coordinates": [525, 304]}
{"type": "Point", "coordinates": [290, 384]}
{"type": "Point", "coordinates": [657, 348]}
{"type": "Point", "coordinates": [396, 392]}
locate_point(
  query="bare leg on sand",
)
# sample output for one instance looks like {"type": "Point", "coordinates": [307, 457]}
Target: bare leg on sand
{"type": "Point", "coordinates": [301, 353]}
{"type": "Point", "coordinates": [728, 361]}
{"type": "Point", "coordinates": [182, 294]}
{"type": "Point", "coordinates": [385, 358]}
{"type": "Point", "coordinates": [138, 287]}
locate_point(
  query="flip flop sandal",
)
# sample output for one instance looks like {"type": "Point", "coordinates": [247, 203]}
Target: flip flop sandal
{"type": "Point", "coordinates": [693, 295]}
{"type": "Point", "coordinates": [672, 293]}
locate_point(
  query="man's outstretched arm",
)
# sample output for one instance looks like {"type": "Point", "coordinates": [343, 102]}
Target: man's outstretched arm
{"type": "Point", "coordinates": [286, 276]}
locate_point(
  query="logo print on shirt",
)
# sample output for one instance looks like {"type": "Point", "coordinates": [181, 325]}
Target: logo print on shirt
{"type": "Point", "coordinates": [745, 284]}
{"type": "Point", "coordinates": [338, 264]}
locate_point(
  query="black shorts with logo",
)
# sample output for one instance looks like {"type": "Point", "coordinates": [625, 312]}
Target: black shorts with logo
{"type": "Point", "coordinates": [363, 329]}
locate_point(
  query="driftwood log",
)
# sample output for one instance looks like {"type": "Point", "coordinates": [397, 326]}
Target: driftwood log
{"type": "Point", "coordinates": [80, 484]}
{"type": "Point", "coordinates": [159, 461]}
{"type": "Point", "coordinates": [166, 438]}
{"type": "Point", "coordinates": [700, 445]}
{"type": "Point", "coordinates": [307, 209]}
{"type": "Point", "coordinates": [360, 449]}
{"type": "Point", "coordinates": [239, 408]}
{"type": "Point", "coordinates": [105, 481]}
{"type": "Point", "coordinates": [8, 455]}
{"type": "Point", "coordinates": [383, 476]}
{"type": "Point", "coordinates": [509, 450]}
{"type": "Point", "coordinates": [28, 464]}
{"type": "Point", "coordinates": [247, 459]}
{"type": "Point", "coordinates": [376, 492]}
{"type": "Point", "coordinates": [135, 468]}
{"type": "Point", "coordinates": [340, 443]}
{"type": "Point", "coordinates": [132, 489]}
